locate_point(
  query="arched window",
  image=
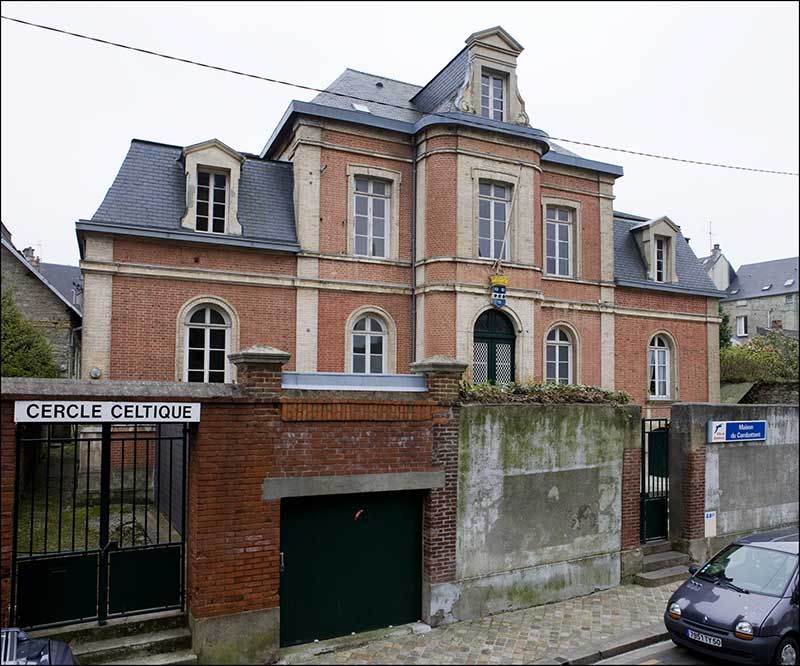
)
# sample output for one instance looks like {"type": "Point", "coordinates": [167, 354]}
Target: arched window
{"type": "Point", "coordinates": [368, 343]}
{"type": "Point", "coordinates": [493, 349]}
{"type": "Point", "coordinates": [659, 367]}
{"type": "Point", "coordinates": [208, 340]}
{"type": "Point", "coordinates": [559, 356]}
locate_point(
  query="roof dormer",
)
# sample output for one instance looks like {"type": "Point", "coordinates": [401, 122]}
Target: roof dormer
{"type": "Point", "coordinates": [656, 240]}
{"type": "Point", "coordinates": [212, 172]}
{"type": "Point", "coordinates": [490, 86]}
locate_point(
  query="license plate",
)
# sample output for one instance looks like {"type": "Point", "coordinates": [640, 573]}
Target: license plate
{"type": "Point", "coordinates": [702, 638]}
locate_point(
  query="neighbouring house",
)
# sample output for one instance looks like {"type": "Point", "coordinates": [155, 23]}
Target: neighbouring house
{"type": "Point", "coordinates": [385, 222]}
{"type": "Point", "coordinates": [719, 269]}
{"type": "Point", "coordinates": [763, 297]}
{"type": "Point", "coordinates": [49, 296]}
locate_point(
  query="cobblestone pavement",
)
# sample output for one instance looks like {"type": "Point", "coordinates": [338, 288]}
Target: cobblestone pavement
{"type": "Point", "coordinates": [518, 637]}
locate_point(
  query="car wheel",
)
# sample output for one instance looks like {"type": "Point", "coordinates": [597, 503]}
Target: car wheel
{"type": "Point", "coordinates": [786, 654]}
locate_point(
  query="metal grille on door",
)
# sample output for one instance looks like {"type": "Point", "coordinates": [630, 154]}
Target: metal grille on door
{"type": "Point", "coordinates": [503, 363]}
{"type": "Point", "coordinates": [480, 363]}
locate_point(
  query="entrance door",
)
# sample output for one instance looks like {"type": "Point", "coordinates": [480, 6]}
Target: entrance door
{"type": "Point", "coordinates": [654, 504]}
{"type": "Point", "coordinates": [349, 563]}
{"type": "Point", "coordinates": [493, 351]}
{"type": "Point", "coordinates": [100, 516]}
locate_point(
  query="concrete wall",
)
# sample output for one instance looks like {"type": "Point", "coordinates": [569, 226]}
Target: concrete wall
{"type": "Point", "coordinates": [539, 505]}
{"type": "Point", "coordinates": [752, 486]}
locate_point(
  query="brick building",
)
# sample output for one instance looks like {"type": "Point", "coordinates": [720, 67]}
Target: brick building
{"type": "Point", "coordinates": [365, 234]}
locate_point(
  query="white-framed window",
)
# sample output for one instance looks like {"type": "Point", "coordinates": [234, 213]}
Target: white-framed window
{"type": "Point", "coordinates": [559, 353]}
{"type": "Point", "coordinates": [658, 364]}
{"type": "Point", "coordinates": [741, 326]}
{"type": "Point", "coordinates": [371, 228]}
{"type": "Point", "coordinates": [493, 205]}
{"type": "Point", "coordinates": [212, 201]}
{"type": "Point", "coordinates": [493, 96]}
{"type": "Point", "coordinates": [661, 259]}
{"type": "Point", "coordinates": [368, 345]}
{"type": "Point", "coordinates": [559, 230]}
{"type": "Point", "coordinates": [208, 341]}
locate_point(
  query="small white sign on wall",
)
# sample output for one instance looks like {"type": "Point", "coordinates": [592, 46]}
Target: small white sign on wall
{"type": "Point", "coordinates": [711, 524]}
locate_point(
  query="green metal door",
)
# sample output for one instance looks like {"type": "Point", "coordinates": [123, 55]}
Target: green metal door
{"type": "Point", "coordinates": [349, 563]}
{"type": "Point", "coordinates": [654, 504]}
{"type": "Point", "coordinates": [493, 349]}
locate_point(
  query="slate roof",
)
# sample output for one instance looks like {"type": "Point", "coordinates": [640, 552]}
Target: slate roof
{"type": "Point", "coordinates": [149, 193]}
{"type": "Point", "coordinates": [63, 277]}
{"type": "Point", "coordinates": [750, 278]}
{"type": "Point", "coordinates": [630, 269]}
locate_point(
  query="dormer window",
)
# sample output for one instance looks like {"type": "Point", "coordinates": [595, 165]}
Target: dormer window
{"type": "Point", "coordinates": [493, 96]}
{"type": "Point", "coordinates": [661, 259]}
{"type": "Point", "coordinates": [212, 197]}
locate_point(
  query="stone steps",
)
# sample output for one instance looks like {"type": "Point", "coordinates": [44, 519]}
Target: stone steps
{"type": "Point", "coordinates": [664, 560]}
{"type": "Point", "coordinates": [137, 647]}
{"type": "Point", "coordinates": [656, 547]}
{"type": "Point", "coordinates": [662, 576]}
{"type": "Point", "coordinates": [88, 632]}
{"type": "Point", "coordinates": [168, 659]}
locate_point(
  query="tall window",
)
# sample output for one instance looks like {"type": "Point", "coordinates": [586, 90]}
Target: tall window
{"type": "Point", "coordinates": [207, 346]}
{"type": "Point", "coordinates": [559, 240]}
{"type": "Point", "coordinates": [369, 345]}
{"type": "Point", "coordinates": [741, 326]}
{"type": "Point", "coordinates": [371, 217]}
{"type": "Point", "coordinates": [212, 196]}
{"type": "Point", "coordinates": [559, 356]}
{"type": "Point", "coordinates": [492, 96]}
{"type": "Point", "coordinates": [661, 259]}
{"type": "Point", "coordinates": [658, 363]}
{"type": "Point", "coordinates": [493, 199]}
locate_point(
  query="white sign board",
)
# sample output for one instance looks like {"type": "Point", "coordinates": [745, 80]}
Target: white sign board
{"type": "Point", "coordinates": [77, 411]}
{"type": "Point", "coordinates": [711, 524]}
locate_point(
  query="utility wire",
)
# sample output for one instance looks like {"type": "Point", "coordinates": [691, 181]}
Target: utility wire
{"type": "Point", "coordinates": [371, 101]}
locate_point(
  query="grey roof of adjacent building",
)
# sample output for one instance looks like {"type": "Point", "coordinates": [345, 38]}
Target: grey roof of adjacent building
{"type": "Point", "coordinates": [63, 278]}
{"type": "Point", "coordinates": [761, 330]}
{"type": "Point", "coordinates": [751, 279]}
{"type": "Point", "coordinates": [630, 269]}
{"type": "Point", "coordinates": [149, 194]}
{"type": "Point", "coordinates": [39, 275]}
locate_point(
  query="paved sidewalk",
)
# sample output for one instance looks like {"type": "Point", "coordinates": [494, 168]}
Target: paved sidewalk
{"type": "Point", "coordinates": [519, 637]}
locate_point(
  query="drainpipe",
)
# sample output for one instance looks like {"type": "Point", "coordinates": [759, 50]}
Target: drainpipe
{"type": "Point", "coordinates": [413, 248]}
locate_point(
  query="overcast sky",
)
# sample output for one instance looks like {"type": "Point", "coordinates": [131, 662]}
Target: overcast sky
{"type": "Point", "coordinates": [716, 82]}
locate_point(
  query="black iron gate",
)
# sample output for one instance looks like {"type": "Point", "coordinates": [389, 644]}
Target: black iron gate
{"type": "Point", "coordinates": [654, 502]}
{"type": "Point", "coordinates": [100, 516]}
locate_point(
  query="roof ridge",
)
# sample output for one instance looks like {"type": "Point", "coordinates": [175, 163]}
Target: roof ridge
{"type": "Point", "coordinates": [379, 76]}
{"type": "Point", "coordinates": [769, 261]}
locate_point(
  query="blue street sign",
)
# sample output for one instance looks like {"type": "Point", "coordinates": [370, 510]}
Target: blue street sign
{"type": "Point", "coordinates": [498, 296]}
{"type": "Point", "coordinates": [737, 431]}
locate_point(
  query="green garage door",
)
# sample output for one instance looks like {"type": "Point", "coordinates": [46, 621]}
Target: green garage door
{"type": "Point", "coordinates": [350, 563]}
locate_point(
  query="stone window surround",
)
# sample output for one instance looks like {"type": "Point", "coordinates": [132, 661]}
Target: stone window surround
{"type": "Point", "coordinates": [390, 353]}
{"type": "Point", "coordinates": [469, 98]}
{"type": "Point", "coordinates": [395, 179]}
{"type": "Point", "coordinates": [182, 323]}
{"type": "Point", "coordinates": [575, 240]}
{"type": "Point", "coordinates": [673, 392]}
{"type": "Point", "coordinates": [512, 221]}
{"type": "Point", "coordinates": [215, 157]}
{"type": "Point", "coordinates": [575, 341]}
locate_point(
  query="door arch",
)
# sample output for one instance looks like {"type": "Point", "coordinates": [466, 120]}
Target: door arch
{"type": "Point", "coordinates": [494, 350]}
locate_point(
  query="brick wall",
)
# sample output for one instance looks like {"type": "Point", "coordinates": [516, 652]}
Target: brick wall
{"type": "Point", "coordinates": [631, 487]}
{"type": "Point", "coordinates": [693, 488]}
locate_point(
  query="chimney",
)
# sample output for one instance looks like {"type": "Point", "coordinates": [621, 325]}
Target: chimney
{"type": "Point", "coordinates": [716, 251]}
{"type": "Point", "coordinates": [30, 254]}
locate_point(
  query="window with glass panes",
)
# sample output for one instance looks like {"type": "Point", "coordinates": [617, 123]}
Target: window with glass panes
{"type": "Point", "coordinates": [492, 96]}
{"type": "Point", "coordinates": [493, 200]}
{"type": "Point", "coordinates": [559, 233]}
{"type": "Point", "coordinates": [371, 217]}
{"type": "Point", "coordinates": [661, 259]}
{"type": "Point", "coordinates": [212, 196]}
{"type": "Point", "coordinates": [207, 343]}
{"type": "Point", "coordinates": [559, 356]}
{"type": "Point", "coordinates": [658, 362]}
{"type": "Point", "coordinates": [369, 345]}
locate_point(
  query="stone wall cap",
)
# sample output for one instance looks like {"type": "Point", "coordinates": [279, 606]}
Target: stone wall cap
{"type": "Point", "coordinates": [35, 387]}
{"type": "Point", "coordinates": [260, 354]}
{"type": "Point", "coordinates": [439, 363]}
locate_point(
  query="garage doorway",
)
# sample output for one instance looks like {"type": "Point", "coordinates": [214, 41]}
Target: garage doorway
{"type": "Point", "coordinates": [349, 563]}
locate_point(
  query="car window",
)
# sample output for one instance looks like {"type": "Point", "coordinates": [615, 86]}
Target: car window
{"type": "Point", "coordinates": [754, 569]}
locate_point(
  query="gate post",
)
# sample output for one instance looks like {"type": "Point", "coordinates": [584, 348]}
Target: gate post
{"type": "Point", "coordinates": [443, 375]}
{"type": "Point", "coordinates": [234, 535]}
{"type": "Point", "coordinates": [631, 552]}
{"type": "Point", "coordinates": [7, 497]}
